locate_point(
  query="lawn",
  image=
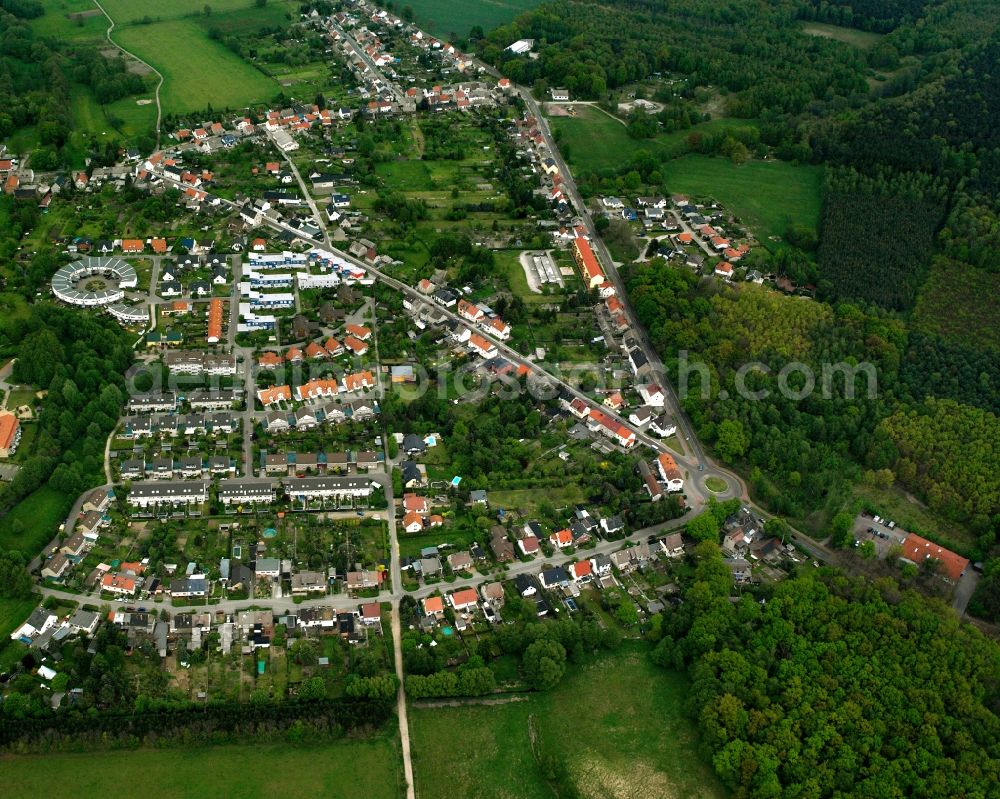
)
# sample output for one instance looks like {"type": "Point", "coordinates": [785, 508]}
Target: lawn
{"type": "Point", "coordinates": [32, 522]}
{"type": "Point", "coordinates": [861, 39]}
{"type": "Point", "coordinates": [367, 769]}
{"type": "Point", "coordinates": [446, 18]}
{"type": "Point", "coordinates": [242, 20]}
{"type": "Point", "coordinates": [182, 51]}
{"type": "Point", "coordinates": [629, 740]}
{"type": "Point", "coordinates": [767, 195]}
{"type": "Point", "coordinates": [509, 263]}
{"type": "Point", "coordinates": [597, 141]}
{"type": "Point", "coordinates": [17, 397]}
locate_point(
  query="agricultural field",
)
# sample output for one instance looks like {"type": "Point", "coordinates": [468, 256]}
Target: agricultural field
{"type": "Point", "coordinates": [767, 195]}
{"type": "Point", "coordinates": [349, 769]}
{"type": "Point", "coordinates": [182, 51]}
{"type": "Point", "coordinates": [447, 18]}
{"type": "Point", "coordinates": [597, 141]}
{"type": "Point", "coordinates": [249, 18]}
{"type": "Point", "coordinates": [631, 740]}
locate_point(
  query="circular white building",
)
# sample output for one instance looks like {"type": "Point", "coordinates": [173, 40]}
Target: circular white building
{"type": "Point", "coordinates": [94, 281]}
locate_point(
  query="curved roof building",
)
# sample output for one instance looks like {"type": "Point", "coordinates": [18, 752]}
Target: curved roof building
{"type": "Point", "coordinates": [69, 283]}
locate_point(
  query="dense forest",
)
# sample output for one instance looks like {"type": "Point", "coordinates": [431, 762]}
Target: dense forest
{"type": "Point", "coordinates": [798, 453]}
{"type": "Point", "coordinates": [836, 687]}
{"type": "Point", "coordinates": [80, 360]}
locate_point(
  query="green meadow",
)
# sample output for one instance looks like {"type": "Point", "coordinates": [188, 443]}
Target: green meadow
{"type": "Point", "coordinates": [349, 769]}
{"type": "Point", "coordinates": [597, 141]}
{"type": "Point", "coordinates": [616, 724]}
{"type": "Point", "coordinates": [768, 195]}
{"type": "Point", "coordinates": [197, 71]}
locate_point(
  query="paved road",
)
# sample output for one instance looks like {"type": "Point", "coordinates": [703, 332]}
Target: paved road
{"type": "Point", "coordinates": [695, 237]}
{"type": "Point", "coordinates": [5, 386]}
{"type": "Point", "coordinates": [699, 466]}
{"type": "Point", "coordinates": [697, 494]}
{"type": "Point", "coordinates": [964, 590]}
{"type": "Point", "coordinates": [345, 602]}
{"type": "Point", "coordinates": [360, 51]}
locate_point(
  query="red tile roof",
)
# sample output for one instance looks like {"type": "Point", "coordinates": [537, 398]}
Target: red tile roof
{"type": "Point", "coordinates": [464, 598]}
{"type": "Point", "coordinates": [357, 346]}
{"type": "Point", "coordinates": [920, 549]}
{"type": "Point", "coordinates": [215, 319]}
{"type": "Point", "coordinates": [433, 604]}
{"type": "Point", "coordinates": [359, 331]}
{"type": "Point", "coordinates": [8, 429]}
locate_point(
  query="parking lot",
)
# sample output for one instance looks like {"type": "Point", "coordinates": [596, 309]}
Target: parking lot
{"type": "Point", "coordinates": [885, 537]}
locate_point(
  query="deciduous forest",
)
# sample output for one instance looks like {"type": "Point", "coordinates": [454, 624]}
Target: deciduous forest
{"type": "Point", "coordinates": [836, 687]}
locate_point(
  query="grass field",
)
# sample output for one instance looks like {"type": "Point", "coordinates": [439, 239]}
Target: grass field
{"type": "Point", "coordinates": [78, 20]}
{"type": "Point", "coordinates": [852, 36]}
{"type": "Point", "coordinates": [243, 19]}
{"type": "Point", "coordinates": [509, 262]}
{"type": "Point", "coordinates": [715, 484]}
{"type": "Point", "coordinates": [447, 18]}
{"type": "Point", "coordinates": [197, 71]}
{"type": "Point", "coordinates": [617, 725]}
{"type": "Point", "coordinates": [528, 499]}
{"type": "Point", "coordinates": [128, 11]}
{"type": "Point", "coordinates": [599, 142]}
{"type": "Point", "coordinates": [346, 770]}
{"type": "Point", "coordinates": [32, 522]}
{"type": "Point", "coordinates": [12, 613]}
{"type": "Point", "coordinates": [768, 195]}
{"type": "Point", "coordinates": [958, 302]}
{"type": "Point", "coordinates": [20, 396]}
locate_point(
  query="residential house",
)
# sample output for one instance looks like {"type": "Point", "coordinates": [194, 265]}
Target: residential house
{"type": "Point", "coordinates": [581, 571]}
{"type": "Point", "coordinates": [464, 600]}
{"type": "Point", "coordinates": [502, 548]}
{"type": "Point", "coordinates": [554, 577]}
{"type": "Point", "coordinates": [460, 561]}
{"type": "Point", "coordinates": [493, 593]}
{"type": "Point", "coordinates": [672, 545]}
